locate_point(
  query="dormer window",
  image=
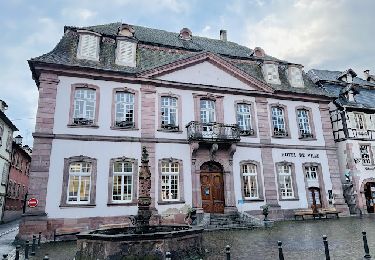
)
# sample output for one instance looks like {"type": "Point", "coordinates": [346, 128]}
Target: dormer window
{"type": "Point", "coordinates": [295, 77]}
{"type": "Point", "coordinates": [185, 34]}
{"type": "Point", "coordinates": [271, 73]}
{"type": "Point", "coordinates": [347, 76]}
{"type": "Point", "coordinates": [88, 46]}
{"type": "Point", "coordinates": [126, 53]}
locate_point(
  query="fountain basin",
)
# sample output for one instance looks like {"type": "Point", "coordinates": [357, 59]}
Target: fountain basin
{"type": "Point", "coordinates": [124, 243]}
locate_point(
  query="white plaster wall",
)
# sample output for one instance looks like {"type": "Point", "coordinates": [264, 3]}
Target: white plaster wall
{"type": "Point", "coordinates": [293, 126]}
{"type": "Point", "coordinates": [342, 158]}
{"type": "Point", "coordinates": [206, 73]}
{"type": "Point", "coordinates": [103, 152]}
{"type": "Point", "coordinates": [298, 161]}
{"type": "Point", "coordinates": [5, 156]}
{"type": "Point", "coordinates": [181, 152]}
{"type": "Point", "coordinates": [241, 154]}
{"type": "Point", "coordinates": [105, 108]}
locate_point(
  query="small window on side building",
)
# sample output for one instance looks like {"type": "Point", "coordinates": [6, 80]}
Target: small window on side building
{"type": "Point", "coordinates": [88, 46]}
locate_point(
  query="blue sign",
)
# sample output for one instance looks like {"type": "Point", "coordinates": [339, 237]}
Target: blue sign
{"type": "Point", "coordinates": [240, 201]}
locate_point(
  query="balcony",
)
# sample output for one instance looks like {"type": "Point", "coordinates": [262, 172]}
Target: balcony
{"type": "Point", "coordinates": [214, 132]}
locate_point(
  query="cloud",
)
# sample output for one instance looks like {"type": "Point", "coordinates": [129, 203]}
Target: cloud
{"type": "Point", "coordinates": [75, 14]}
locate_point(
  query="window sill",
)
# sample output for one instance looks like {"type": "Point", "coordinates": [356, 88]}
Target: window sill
{"type": "Point", "coordinates": [289, 199]}
{"type": "Point", "coordinates": [178, 131]}
{"type": "Point", "coordinates": [82, 126]}
{"type": "Point", "coordinates": [114, 204]}
{"type": "Point", "coordinates": [78, 206]}
{"type": "Point", "coordinates": [307, 138]}
{"type": "Point", "coordinates": [171, 202]}
{"type": "Point", "coordinates": [252, 200]}
{"type": "Point", "coordinates": [281, 137]}
{"type": "Point", "coordinates": [124, 128]}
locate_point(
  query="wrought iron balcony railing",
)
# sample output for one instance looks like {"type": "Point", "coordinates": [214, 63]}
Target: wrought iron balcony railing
{"type": "Point", "coordinates": [217, 132]}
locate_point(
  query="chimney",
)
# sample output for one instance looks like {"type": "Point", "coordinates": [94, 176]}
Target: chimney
{"type": "Point", "coordinates": [3, 106]}
{"type": "Point", "coordinates": [367, 74]}
{"type": "Point", "coordinates": [18, 140]}
{"type": "Point", "coordinates": [223, 35]}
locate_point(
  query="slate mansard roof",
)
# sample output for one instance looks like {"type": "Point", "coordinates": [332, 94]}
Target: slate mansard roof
{"type": "Point", "coordinates": [364, 99]}
{"type": "Point", "coordinates": [157, 48]}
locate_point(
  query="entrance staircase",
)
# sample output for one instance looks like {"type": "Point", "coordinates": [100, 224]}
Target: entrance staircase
{"type": "Point", "coordinates": [231, 220]}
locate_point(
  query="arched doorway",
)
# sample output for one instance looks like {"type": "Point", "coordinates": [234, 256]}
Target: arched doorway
{"type": "Point", "coordinates": [314, 198]}
{"type": "Point", "coordinates": [369, 190]}
{"type": "Point", "coordinates": [212, 187]}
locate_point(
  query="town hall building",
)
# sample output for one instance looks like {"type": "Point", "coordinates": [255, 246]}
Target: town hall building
{"type": "Point", "coordinates": [227, 129]}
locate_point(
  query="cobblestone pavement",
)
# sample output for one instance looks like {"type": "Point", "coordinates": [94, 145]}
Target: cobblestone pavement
{"type": "Point", "coordinates": [8, 232]}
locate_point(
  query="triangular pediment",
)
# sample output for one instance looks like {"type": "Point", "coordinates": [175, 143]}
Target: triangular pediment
{"type": "Point", "coordinates": [207, 69]}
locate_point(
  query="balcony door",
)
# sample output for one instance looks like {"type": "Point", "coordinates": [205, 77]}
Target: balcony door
{"type": "Point", "coordinates": [208, 118]}
{"type": "Point", "coordinates": [314, 198]}
{"type": "Point", "coordinates": [212, 188]}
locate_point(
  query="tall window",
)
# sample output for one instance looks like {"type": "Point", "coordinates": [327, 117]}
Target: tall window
{"type": "Point", "coordinates": [244, 119]}
{"type": "Point", "coordinates": [88, 47]}
{"type": "Point", "coordinates": [84, 106]}
{"type": "Point", "coordinates": [359, 121]}
{"type": "Point", "coordinates": [207, 111]}
{"type": "Point", "coordinates": [170, 181]}
{"type": "Point", "coordinates": [304, 123]}
{"type": "Point", "coordinates": [365, 154]}
{"type": "Point", "coordinates": [278, 121]}
{"type": "Point", "coordinates": [311, 172]}
{"type": "Point", "coordinates": [79, 182]}
{"type": "Point", "coordinates": [285, 181]}
{"type": "Point", "coordinates": [169, 112]}
{"type": "Point", "coordinates": [4, 176]}
{"type": "Point", "coordinates": [122, 182]}
{"type": "Point", "coordinates": [250, 184]}
{"type": "Point", "coordinates": [124, 109]}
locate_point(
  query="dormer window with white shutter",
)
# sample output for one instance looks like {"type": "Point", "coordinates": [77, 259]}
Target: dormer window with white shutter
{"type": "Point", "coordinates": [295, 77]}
{"type": "Point", "coordinates": [88, 46]}
{"type": "Point", "coordinates": [126, 53]}
{"type": "Point", "coordinates": [271, 73]}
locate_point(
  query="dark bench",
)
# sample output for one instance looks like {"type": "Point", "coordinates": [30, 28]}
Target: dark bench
{"type": "Point", "coordinates": [330, 211]}
{"type": "Point", "coordinates": [306, 212]}
{"type": "Point", "coordinates": [59, 232]}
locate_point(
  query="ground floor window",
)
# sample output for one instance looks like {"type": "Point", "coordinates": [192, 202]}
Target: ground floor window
{"type": "Point", "coordinates": [79, 182]}
{"type": "Point", "coordinates": [250, 183]}
{"type": "Point", "coordinates": [284, 172]}
{"type": "Point", "coordinates": [122, 182]}
{"type": "Point", "coordinates": [169, 180]}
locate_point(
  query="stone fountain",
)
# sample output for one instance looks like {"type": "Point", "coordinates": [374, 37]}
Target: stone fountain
{"type": "Point", "coordinates": [142, 240]}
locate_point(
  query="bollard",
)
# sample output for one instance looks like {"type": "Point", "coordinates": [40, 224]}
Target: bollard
{"type": "Point", "coordinates": [39, 238]}
{"type": "Point", "coordinates": [168, 256]}
{"type": "Point", "coordinates": [326, 249]}
{"type": "Point", "coordinates": [45, 257]}
{"type": "Point", "coordinates": [227, 252]}
{"type": "Point", "coordinates": [281, 255]}
{"type": "Point", "coordinates": [33, 246]}
{"type": "Point", "coordinates": [27, 244]}
{"type": "Point", "coordinates": [365, 245]}
{"type": "Point", "coordinates": [5, 256]}
{"type": "Point", "coordinates": [17, 257]}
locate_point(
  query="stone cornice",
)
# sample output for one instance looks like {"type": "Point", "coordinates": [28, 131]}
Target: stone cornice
{"type": "Point", "coordinates": [168, 140]}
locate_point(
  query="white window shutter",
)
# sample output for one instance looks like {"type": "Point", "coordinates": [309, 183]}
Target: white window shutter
{"type": "Point", "coordinates": [368, 121]}
{"type": "Point", "coordinates": [351, 123]}
{"type": "Point", "coordinates": [126, 53]}
{"type": "Point", "coordinates": [88, 47]}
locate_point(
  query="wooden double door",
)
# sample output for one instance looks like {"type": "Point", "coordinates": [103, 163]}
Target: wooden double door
{"type": "Point", "coordinates": [212, 190]}
{"type": "Point", "coordinates": [315, 198]}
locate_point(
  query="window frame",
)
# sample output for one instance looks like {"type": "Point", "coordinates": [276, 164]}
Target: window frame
{"type": "Point", "coordinates": [265, 69]}
{"type": "Point", "coordinates": [111, 174]}
{"type": "Point", "coordinates": [74, 87]}
{"type": "Point", "coordinates": [79, 47]}
{"type": "Point", "coordinates": [293, 179]}
{"type": "Point", "coordinates": [135, 109]}
{"type": "Point", "coordinates": [370, 154]}
{"type": "Point", "coordinates": [286, 121]}
{"type": "Point", "coordinates": [219, 107]}
{"type": "Point", "coordinates": [134, 52]}
{"type": "Point", "coordinates": [258, 178]}
{"type": "Point", "coordinates": [311, 123]}
{"type": "Point", "coordinates": [252, 116]}
{"type": "Point", "coordinates": [5, 173]}
{"type": "Point", "coordinates": [180, 175]}
{"type": "Point", "coordinates": [291, 79]}
{"type": "Point", "coordinates": [2, 130]}
{"type": "Point", "coordinates": [66, 179]}
{"type": "Point", "coordinates": [357, 123]}
{"type": "Point", "coordinates": [323, 197]}
{"type": "Point", "coordinates": [177, 128]}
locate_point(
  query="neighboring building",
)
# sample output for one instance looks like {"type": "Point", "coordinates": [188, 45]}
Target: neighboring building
{"type": "Point", "coordinates": [353, 120]}
{"type": "Point", "coordinates": [227, 129]}
{"type": "Point", "coordinates": [6, 137]}
{"type": "Point", "coordinates": [18, 181]}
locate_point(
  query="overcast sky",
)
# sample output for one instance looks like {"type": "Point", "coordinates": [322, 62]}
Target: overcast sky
{"type": "Point", "coordinates": [323, 34]}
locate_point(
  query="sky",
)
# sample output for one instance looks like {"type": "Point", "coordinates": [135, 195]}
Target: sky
{"type": "Point", "coordinates": [321, 34]}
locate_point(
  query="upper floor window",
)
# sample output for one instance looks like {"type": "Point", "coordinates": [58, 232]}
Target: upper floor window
{"type": "Point", "coordinates": [169, 113]}
{"type": "Point", "coordinates": [271, 73]}
{"type": "Point", "coordinates": [284, 172]}
{"type": "Point", "coordinates": [84, 106]}
{"type": "Point", "coordinates": [79, 184]}
{"type": "Point", "coordinates": [9, 142]}
{"type": "Point", "coordinates": [1, 134]}
{"type": "Point", "coordinates": [5, 172]}
{"type": "Point", "coordinates": [126, 53]}
{"type": "Point", "coordinates": [295, 77]}
{"type": "Point", "coordinates": [170, 181]}
{"type": "Point", "coordinates": [88, 46]}
{"type": "Point", "coordinates": [207, 111]}
{"type": "Point", "coordinates": [125, 109]}
{"type": "Point", "coordinates": [311, 173]}
{"type": "Point", "coordinates": [122, 181]}
{"type": "Point", "coordinates": [365, 154]}
{"type": "Point", "coordinates": [244, 119]}
{"type": "Point", "coordinates": [303, 116]}
{"type": "Point", "coordinates": [278, 121]}
{"type": "Point", "coordinates": [250, 183]}
{"type": "Point", "coordinates": [359, 119]}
